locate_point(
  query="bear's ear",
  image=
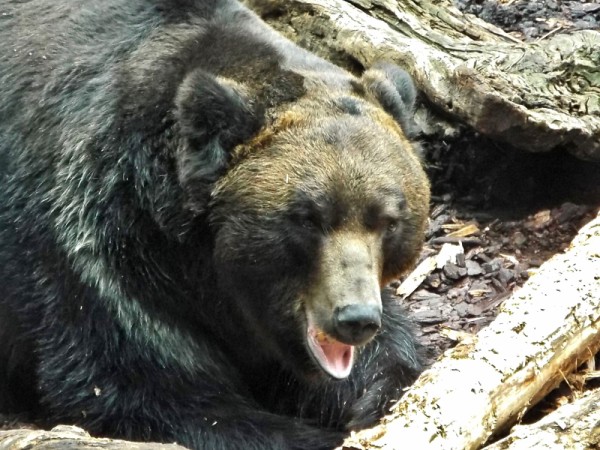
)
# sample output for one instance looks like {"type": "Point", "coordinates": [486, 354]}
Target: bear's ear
{"type": "Point", "coordinates": [395, 91]}
{"type": "Point", "coordinates": [214, 115]}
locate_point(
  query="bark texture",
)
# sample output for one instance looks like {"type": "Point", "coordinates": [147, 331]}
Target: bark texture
{"type": "Point", "coordinates": [69, 438]}
{"type": "Point", "coordinates": [574, 426]}
{"type": "Point", "coordinates": [536, 96]}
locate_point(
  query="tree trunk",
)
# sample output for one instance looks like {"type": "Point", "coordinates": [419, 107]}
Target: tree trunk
{"type": "Point", "coordinates": [535, 96]}
{"type": "Point", "coordinates": [482, 386]}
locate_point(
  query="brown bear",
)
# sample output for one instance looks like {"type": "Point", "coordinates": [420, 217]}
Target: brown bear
{"type": "Point", "coordinates": [198, 220]}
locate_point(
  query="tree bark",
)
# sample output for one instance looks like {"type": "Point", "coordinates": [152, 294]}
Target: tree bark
{"type": "Point", "coordinates": [69, 438]}
{"type": "Point", "coordinates": [482, 386]}
{"type": "Point", "coordinates": [575, 426]}
{"type": "Point", "coordinates": [536, 96]}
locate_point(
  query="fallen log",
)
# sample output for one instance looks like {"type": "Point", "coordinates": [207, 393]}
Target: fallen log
{"type": "Point", "coordinates": [575, 426]}
{"type": "Point", "coordinates": [536, 96]}
{"type": "Point", "coordinates": [69, 438]}
{"type": "Point", "coordinates": [484, 385]}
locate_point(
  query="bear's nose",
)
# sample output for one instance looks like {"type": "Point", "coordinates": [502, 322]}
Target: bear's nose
{"type": "Point", "coordinates": [356, 324]}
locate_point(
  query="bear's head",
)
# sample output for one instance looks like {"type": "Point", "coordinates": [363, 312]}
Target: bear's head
{"type": "Point", "coordinates": [315, 214]}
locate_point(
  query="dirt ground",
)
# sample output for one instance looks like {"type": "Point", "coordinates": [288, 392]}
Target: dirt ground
{"type": "Point", "coordinates": [535, 19]}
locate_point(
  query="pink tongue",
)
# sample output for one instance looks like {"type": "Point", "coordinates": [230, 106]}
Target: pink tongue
{"type": "Point", "coordinates": [334, 357]}
{"type": "Point", "coordinates": [339, 358]}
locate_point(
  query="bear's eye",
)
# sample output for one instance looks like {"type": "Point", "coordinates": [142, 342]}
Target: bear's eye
{"type": "Point", "coordinates": [392, 225]}
{"type": "Point", "coordinates": [310, 223]}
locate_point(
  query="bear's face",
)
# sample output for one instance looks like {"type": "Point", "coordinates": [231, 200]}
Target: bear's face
{"type": "Point", "coordinates": [312, 220]}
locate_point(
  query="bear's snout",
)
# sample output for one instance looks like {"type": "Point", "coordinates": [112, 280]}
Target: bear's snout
{"type": "Point", "coordinates": [356, 324]}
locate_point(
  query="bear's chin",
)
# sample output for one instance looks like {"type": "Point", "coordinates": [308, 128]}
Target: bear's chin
{"type": "Point", "coordinates": [333, 357]}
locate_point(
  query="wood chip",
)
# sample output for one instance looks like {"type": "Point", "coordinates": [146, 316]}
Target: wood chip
{"type": "Point", "coordinates": [465, 231]}
{"type": "Point", "coordinates": [414, 280]}
{"type": "Point", "coordinates": [448, 254]}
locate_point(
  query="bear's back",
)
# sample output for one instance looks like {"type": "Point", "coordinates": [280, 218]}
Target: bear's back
{"type": "Point", "coordinates": [60, 75]}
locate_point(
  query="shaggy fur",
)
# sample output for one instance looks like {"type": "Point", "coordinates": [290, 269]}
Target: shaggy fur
{"type": "Point", "coordinates": [180, 188]}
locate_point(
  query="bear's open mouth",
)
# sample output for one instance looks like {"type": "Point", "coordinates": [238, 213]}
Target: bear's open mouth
{"type": "Point", "coordinates": [334, 357]}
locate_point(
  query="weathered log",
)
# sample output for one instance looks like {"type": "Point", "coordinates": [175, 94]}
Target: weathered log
{"type": "Point", "coordinates": [536, 96]}
{"type": "Point", "coordinates": [69, 438]}
{"type": "Point", "coordinates": [544, 331]}
{"type": "Point", "coordinates": [575, 426]}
